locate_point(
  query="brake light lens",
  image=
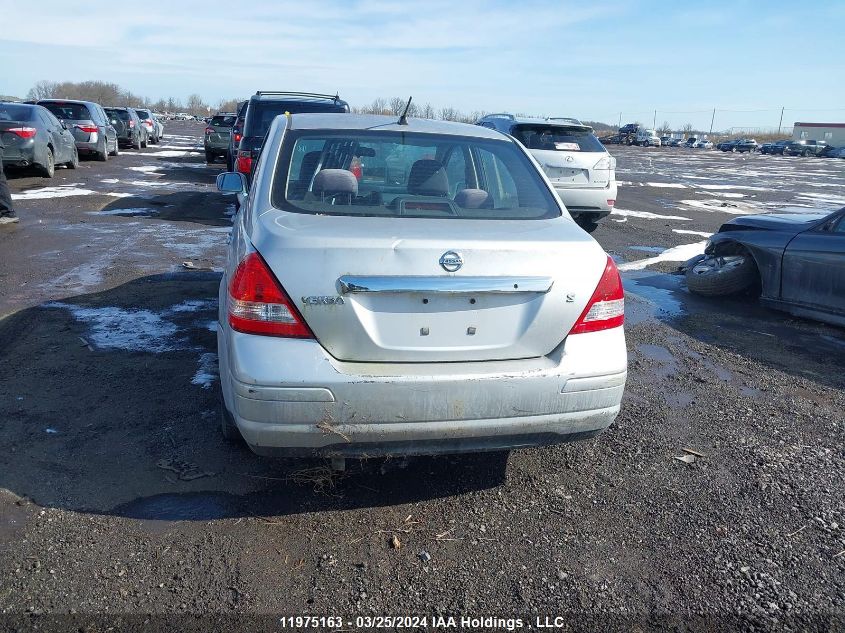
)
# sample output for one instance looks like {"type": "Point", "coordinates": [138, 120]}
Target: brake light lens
{"type": "Point", "coordinates": [23, 132]}
{"type": "Point", "coordinates": [238, 137]}
{"type": "Point", "coordinates": [259, 305]}
{"type": "Point", "coordinates": [90, 129]}
{"type": "Point", "coordinates": [209, 130]}
{"type": "Point", "coordinates": [244, 163]}
{"type": "Point", "coordinates": [131, 123]}
{"type": "Point", "coordinates": [606, 308]}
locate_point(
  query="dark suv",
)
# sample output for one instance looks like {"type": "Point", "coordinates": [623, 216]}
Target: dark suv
{"type": "Point", "coordinates": [127, 124]}
{"type": "Point", "coordinates": [265, 106]}
{"type": "Point", "coordinates": [236, 135]}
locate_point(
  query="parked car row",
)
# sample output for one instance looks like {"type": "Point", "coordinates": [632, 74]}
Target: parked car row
{"type": "Point", "coordinates": [50, 132]}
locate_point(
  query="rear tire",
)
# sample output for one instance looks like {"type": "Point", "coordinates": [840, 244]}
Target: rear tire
{"type": "Point", "coordinates": [144, 142]}
{"type": "Point", "coordinates": [48, 169]}
{"type": "Point", "coordinates": [74, 162]}
{"type": "Point", "coordinates": [209, 157]}
{"type": "Point", "coordinates": [104, 155]}
{"type": "Point", "coordinates": [587, 224]}
{"type": "Point", "coordinates": [228, 428]}
{"type": "Point", "coordinates": [116, 150]}
{"type": "Point", "coordinates": [721, 276]}
{"type": "Point", "coordinates": [137, 143]}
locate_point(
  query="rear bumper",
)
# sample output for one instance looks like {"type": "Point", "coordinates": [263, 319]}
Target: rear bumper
{"type": "Point", "coordinates": [19, 156]}
{"type": "Point", "coordinates": [590, 203]}
{"type": "Point", "coordinates": [88, 147]}
{"type": "Point", "coordinates": [290, 394]}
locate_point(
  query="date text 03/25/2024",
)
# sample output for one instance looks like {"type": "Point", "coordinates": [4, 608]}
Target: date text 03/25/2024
{"type": "Point", "coordinates": [417, 622]}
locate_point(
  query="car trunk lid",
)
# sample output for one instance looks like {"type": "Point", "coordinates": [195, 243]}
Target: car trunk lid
{"type": "Point", "coordinates": [374, 289]}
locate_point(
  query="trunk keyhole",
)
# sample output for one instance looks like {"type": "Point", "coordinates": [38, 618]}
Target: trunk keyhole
{"type": "Point", "coordinates": [425, 300]}
{"type": "Point", "coordinates": [472, 301]}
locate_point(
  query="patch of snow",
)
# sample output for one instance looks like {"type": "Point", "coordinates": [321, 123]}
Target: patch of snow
{"type": "Point", "coordinates": [147, 169]}
{"type": "Point", "coordinates": [194, 305]}
{"type": "Point", "coordinates": [131, 330]}
{"type": "Point", "coordinates": [207, 371]}
{"type": "Point", "coordinates": [667, 185]}
{"type": "Point", "coordinates": [721, 207]}
{"type": "Point", "coordinates": [745, 187]}
{"type": "Point", "coordinates": [110, 181]}
{"type": "Point", "coordinates": [677, 254]}
{"type": "Point", "coordinates": [62, 191]}
{"type": "Point", "coordinates": [685, 232]}
{"type": "Point", "coordinates": [132, 211]}
{"type": "Point", "coordinates": [720, 194]}
{"type": "Point", "coordinates": [648, 215]}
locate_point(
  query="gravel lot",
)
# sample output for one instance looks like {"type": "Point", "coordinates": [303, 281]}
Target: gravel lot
{"type": "Point", "coordinates": [117, 495]}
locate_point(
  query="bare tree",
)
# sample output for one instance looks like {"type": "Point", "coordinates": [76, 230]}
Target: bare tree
{"type": "Point", "coordinates": [428, 112]}
{"type": "Point", "coordinates": [449, 114]}
{"type": "Point", "coordinates": [665, 129]}
{"type": "Point", "coordinates": [687, 128]}
{"type": "Point", "coordinates": [196, 105]}
{"type": "Point", "coordinates": [42, 90]}
{"type": "Point", "coordinates": [397, 105]}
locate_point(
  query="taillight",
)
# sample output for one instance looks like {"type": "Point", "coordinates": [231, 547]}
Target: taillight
{"type": "Point", "coordinates": [238, 137]}
{"type": "Point", "coordinates": [209, 130]}
{"type": "Point", "coordinates": [606, 308]}
{"type": "Point", "coordinates": [23, 132]}
{"type": "Point", "coordinates": [244, 164]}
{"type": "Point", "coordinates": [131, 123]}
{"type": "Point", "coordinates": [90, 129]}
{"type": "Point", "coordinates": [259, 305]}
{"type": "Point", "coordinates": [610, 202]}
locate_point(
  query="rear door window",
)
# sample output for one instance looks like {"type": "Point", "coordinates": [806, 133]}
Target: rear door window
{"type": "Point", "coordinates": [557, 138]}
{"type": "Point", "coordinates": [260, 114]}
{"type": "Point", "coordinates": [401, 174]}
{"type": "Point", "coordinates": [223, 121]}
{"type": "Point", "coordinates": [12, 112]}
{"type": "Point", "coordinates": [69, 111]}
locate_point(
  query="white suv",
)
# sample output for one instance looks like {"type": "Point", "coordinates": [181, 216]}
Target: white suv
{"type": "Point", "coordinates": [581, 170]}
{"type": "Point", "coordinates": [411, 287]}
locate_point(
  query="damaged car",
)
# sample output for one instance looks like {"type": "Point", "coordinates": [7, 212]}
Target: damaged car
{"type": "Point", "coordinates": [411, 286]}
{"type": "Point", "coordinates": [795, 260]}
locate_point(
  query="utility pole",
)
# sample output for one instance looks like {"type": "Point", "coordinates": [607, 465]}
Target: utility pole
{"type": "Point", "coordinates": [620, 119]}
{"type": "Point", "coordinates": [654, 123]}
{"type": "Point", "coordinates": [713, 118]}
{"type": "Point", "coordinates": [781, 119]}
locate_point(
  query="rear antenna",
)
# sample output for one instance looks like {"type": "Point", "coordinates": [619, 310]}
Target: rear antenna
{"type": "Point", "coordinates": [403, 120]}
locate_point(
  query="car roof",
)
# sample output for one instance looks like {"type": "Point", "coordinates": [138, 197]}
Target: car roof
{"type": "Point", "coordinates": [66, 101]}
{"type": "Point", "coordinates": [535, 120]}
{"type": "Point", "coordinates": [341, 121]}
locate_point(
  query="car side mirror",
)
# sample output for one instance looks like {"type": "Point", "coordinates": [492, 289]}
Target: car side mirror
{"type": "Point", "coordinates": [232, 182]}
{"type": "Point", "coordinates": [64, 125]}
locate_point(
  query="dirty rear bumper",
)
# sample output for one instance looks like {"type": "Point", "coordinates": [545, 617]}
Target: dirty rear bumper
{"type": "Point", "coordinates": [290, 394]}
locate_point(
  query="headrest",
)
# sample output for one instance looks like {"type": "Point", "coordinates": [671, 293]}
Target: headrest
{"type": "Point", "coordinates": [428, 178]}
{"type": "Point", "coordinates": [471, 198]}
{"type": "Point", "coordinates": [334, 181]}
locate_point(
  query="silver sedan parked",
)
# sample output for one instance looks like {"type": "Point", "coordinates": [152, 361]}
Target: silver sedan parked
{"type": "Point", "coordinates": [408, 287]}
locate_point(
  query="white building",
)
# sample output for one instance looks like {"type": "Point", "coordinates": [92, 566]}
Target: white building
{"type": "Point", "coordinates": [831, 133]}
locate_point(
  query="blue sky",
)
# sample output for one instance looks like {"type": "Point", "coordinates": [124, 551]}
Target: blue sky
{"type": "Point", "coordinates": [593, 60]}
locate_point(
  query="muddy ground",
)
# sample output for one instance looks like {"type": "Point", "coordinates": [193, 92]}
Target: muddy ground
{"type": "Point", "coordinates": [119, 497]}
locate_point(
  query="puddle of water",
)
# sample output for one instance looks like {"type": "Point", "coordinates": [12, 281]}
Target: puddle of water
{"type": "Point", "coordinates": [656, 352]}
{"type": "Point", "coordinates": [679, 400]}
{"type": "Point", "coordinates": [189, 506]}
{"type": "Point", "coordinates": [657, 297]}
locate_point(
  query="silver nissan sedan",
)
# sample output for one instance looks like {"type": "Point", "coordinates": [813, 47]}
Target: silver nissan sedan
{"type": "Point", "coordinates": [411, 287]}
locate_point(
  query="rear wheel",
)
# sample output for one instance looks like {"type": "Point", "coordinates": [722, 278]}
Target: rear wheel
{"type": "Point", "coordinates": [104, 155]}
{"type": "Point", "coordinates": [209, 157]}
{"type": "Point", "coordinates": [137, 142]}
{"type": "Point", "coordinates": [228, 428]}
{"type": "Point", "coordinates": [588, 224]}
{"type": "Point", "coordinates": [49, 167]}
{"type": "Point", "coordinates": [116, 149]}
{"type": "Point", "coordinates": [722, 275]}
{"type": "Point", "coordinates": [73, 163]}
{"type": "Point", "coordinates": [144, 142]}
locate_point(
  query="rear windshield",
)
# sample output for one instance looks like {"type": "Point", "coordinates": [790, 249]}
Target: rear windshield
{"type": "Point", "coordinates": [223, 121]}
{"type": "Point", "coordinates": [557, 138]}
{"type": "Point", "coordinates": [11, 112]}
{"type": "Point", "coordinates": [396, 174]}
{"type": "Point", "coordinates": [143, 114]}
{"type": "Point", "coordinates": [123, 115]}
{"type": "Point", "coordinates": [260, 114]}
{"type": "Point", "coordinates": [69, 111]}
